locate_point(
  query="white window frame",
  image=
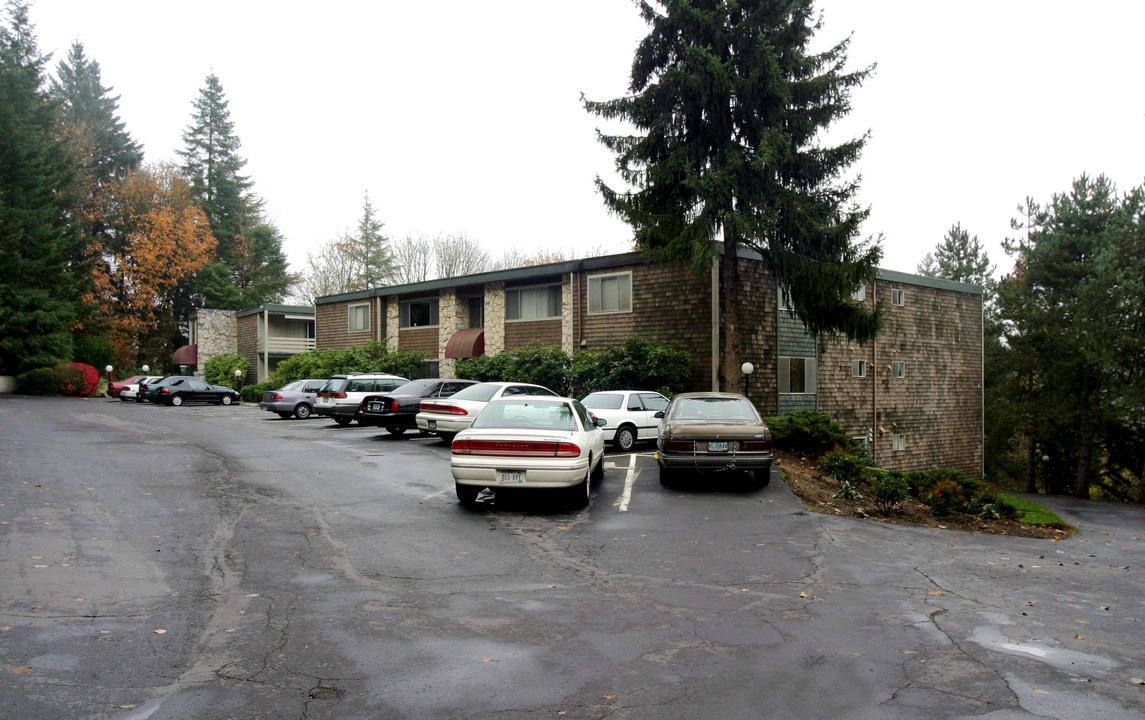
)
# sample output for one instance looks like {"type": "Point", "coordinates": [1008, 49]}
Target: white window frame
{"type": "Point", "coordinates": [547, 288]}
{"type": "Point", "coordinates": [898, 297]}
{"type": "Point", "coordinates": [351, 314]}
{"type": "Point", "coordinates": [810, 375]}
{"type": "Point", "coordinates": [404, 313]}
{"type": "Point", "coordinates": [596, 295]}
{"type": "Point", "coordinates": [858, 368]}
{"type": "Point", "coordinates": [860, 294]}
{"type": "Point", "coordinates": [898, 442]}
{"type": "Point", "coordinates": [898, 369]}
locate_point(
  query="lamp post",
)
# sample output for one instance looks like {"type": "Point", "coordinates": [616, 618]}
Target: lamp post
{"type": "Point", "coordinates": [109, 369]}
{"type": "Point", "coordinates": [747, 369]}
{"type": "Point", "coordinates": [146, 369]}
{"type": "Point", "coordinates": [238, 381]}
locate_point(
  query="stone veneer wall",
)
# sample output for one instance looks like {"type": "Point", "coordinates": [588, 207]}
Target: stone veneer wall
{"type": "Point", "coordinates": [449, 312]}
{"type": "Point", "coordinates": [568, 315]}
{"type": "Point", "coordinates": [494, 318]}
{"type": "Point", "coordinates": [393, 322]}
{"type": "Point", "coordinates": [216, 333]}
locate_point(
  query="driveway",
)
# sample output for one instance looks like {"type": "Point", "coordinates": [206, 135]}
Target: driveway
{"type": "Point", "coordinates": [215, 562]}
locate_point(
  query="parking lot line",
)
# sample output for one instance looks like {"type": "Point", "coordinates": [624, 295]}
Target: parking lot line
{"type": "Point", "coordinates": [621, 504]}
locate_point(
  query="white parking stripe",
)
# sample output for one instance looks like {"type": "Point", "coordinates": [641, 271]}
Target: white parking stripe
{"type": "Point", "coordinates": [621, 503]}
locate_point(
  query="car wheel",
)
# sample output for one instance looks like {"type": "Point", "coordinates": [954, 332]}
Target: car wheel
{"type": "Point", "coordinates": [176, 400]}
{"type": "Point", "coordinates": [625, 438]}
{"type": "Point", "coordinates": [286, 416]}
{"type": "Point", "coordinates": [761, 478]}
{"type": "Point", "coordinates": [598, 472]}
{"type": "Point", "coordinates": [668, 477]}
{"type": "Point", "coordinates": [227, 400]}
{"type": "Point", "coordinates": [579, 493]}
{"type": "Point", "coordinates": [123, 398]}
{"type": "Point", "coordinates": [447, 437]}
{"type": "Point", "coordinates": [301, 411]}
{"type": "Point", "coordinates": [343, 421]}
{"type": "Point", "coordinates": [467, 494]}
{"type": "Point", "coordinates": [396, 430]}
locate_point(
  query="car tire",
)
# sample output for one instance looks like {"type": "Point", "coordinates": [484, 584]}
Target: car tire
{"type": "Point", "coordinates": [396, 430]}
{"type": "Point", "coordinates": [175, 400]}
{"type": "Point", "coordinates": [301, 411]}
{"type": "Point", "coordinates": [597, 473]}
{"type": "Point", "coordinates": [447, 437]}
{"type": "Point", "coordinates": [668, 477]}
{"type": "Point", "coordinates": [625, 438]}
{"type": "Point", "coordinates": [761, 478]}
{"type": "Point", "coordinates": [227, 400]}
{"type": "Point", "coordinates": [466, 494]}
{"type": "Point", "coordinates": [579, 493]}
{"type": "Point", "coordinates": [123, 398]}
{"type": "Point", "coordinates": [343, 421]}
{"type": "Point", "coordinates": [286, 416]}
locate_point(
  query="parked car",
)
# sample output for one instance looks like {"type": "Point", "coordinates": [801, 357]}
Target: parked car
{"type": "Point", "coordinates": [528, 441]}
{"type": "Point", "coordinates": [148, 391]}
{"type": "Point", "coordinates": [294, 399]}
{"type": "Point", "coordinates": [396, 410]}
{"type": "Point", "coordinates": [184, 390]}
{"type": "Point", "coordinates": [710, 432]}
{"type": "Point", "coordinates": [446, 418]}
{"type": "Point", "coordinates": [630, 415]}
{"type": "Point", "coordinates": [341, 396]}
{"type": "Point", "coordinates": [131, 390]}
{"type": "Point", "coordinates": [115, 388]}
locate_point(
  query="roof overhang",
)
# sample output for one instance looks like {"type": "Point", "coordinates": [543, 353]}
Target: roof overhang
{"type": "Point", "coordinates": [186, 355]}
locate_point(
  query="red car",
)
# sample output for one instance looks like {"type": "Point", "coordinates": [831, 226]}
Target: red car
{"type": "Point", "coordinates": [116, 387]}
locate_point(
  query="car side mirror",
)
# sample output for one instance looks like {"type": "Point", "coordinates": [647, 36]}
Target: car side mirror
{"type": "Point", "coordinates": [599, 422]}
{"type": "Point", "coordinates": [659, 414]}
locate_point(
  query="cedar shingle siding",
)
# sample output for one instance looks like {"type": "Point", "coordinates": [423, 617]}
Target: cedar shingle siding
{"type": "Point", "coordinates": [937, 333]}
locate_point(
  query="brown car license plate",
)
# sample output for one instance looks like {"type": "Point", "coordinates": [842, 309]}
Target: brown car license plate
{"type": "Point", "coordinates": [715, 446]}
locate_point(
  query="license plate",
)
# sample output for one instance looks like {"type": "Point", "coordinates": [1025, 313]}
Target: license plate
{"type": "Point", "coordinates": [718, 446]}
{"type": "Point", "coordinates": [432, 424]}
{"type": "Point", "coordinates": [510, 477]}
{"type": "Point", "coordinates": [375, 407]}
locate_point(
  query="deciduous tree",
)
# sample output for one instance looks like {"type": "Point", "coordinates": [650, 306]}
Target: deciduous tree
{"type": "Point", "coordinates": [729, 104]}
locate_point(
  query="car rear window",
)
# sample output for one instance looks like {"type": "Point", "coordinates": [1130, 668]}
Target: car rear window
{"type": "Point", "coordinates": [714, 409]}
{"type": "Point", "coordinates": [603, 401]}
{"type": "Point", "coordinates": [334, 385]}
{"type": "Point", "coordinates": [481, 392]}
{"type": "Point", "coordinates": [526, 413]}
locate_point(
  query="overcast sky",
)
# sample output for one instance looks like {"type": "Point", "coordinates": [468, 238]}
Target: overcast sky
{"type": "Point", "coordinates": [463, 116]}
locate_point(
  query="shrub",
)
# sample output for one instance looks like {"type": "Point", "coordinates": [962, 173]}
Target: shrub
{"type": "Point", "coordinates": [945, 497]}
{"type": "Point", "coordinates": [888, 491]}
{"type": "Point", "coordinates": [77, 379]}
{"type": "Point", "coordinates": [254, 393]}
{"type": "Point", "coordinates": [220, 370]}
{"type": "Point", "coordinates": [371, 357]}
{"type": "Point", "coordinates": [536, 363]}
{"type": "Point", "coordinates": [809, 433]}
{"type": "Point", "coordinates": [637, 364]}
{"type": "Point", "coordinates": [847, 492]}
{"type": "Point", "coordinates": [843, 466]}
{"type": "Point", "coordinates": [41, 381]}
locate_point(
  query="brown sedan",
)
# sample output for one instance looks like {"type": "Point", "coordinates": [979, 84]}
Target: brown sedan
{"type": "Point", "coordinates": [713, 433]}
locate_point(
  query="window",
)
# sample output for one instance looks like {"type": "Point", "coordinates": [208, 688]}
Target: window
{"type": "Point", "coordinates": [860, 293]}
{"type": "Point", "coordinates": [898, 297]}
{"type": "Point", "coordinates": [797, 376]}
{"type": "Point", "coordinates": [419, 313]}
{"type": "Point", "coordinates": [610, 293]}
{"type": "Point", "coordinates": [784, 300]}
{"type": "Point", "coordinates": [533, 303]}
{"type": "Point", "coordinates": [858, 368]}
{"type": "Point", "coordinates": [432, 368]}
{"type": "Point", "coordinates": [476, 312]}
{"type": "Point", "coordinates": [898, 442]}
{"type": "Point", "coordinates": [898, 369]}
{"type": "Point", "coordinates": [359, 318]}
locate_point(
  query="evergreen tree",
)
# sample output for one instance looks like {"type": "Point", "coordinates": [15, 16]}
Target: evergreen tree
{"type": "Point", "coordinates": [369, 251]}
{"type": "Point", "coordinates": [730, 104]}
{"type": "Point", "coordinates": [250, 267]}
{"type": "Point", "coordinates": [37, 241]}
{"type": "Point", "coordinates": [958, 257]}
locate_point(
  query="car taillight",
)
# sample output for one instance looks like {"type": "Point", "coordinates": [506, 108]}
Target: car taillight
{"type": "Point", "coordinates": [441, 408]}
{"type": "Point", "coordinates": [515, 448]}
{"type": "Point", "coordinates": [754, 445]}
{"type": "Point", "coordinates": [277, 397]}
{"type": "Point", "coordinates": [394, 404]}
{"type": "Point", "coordinates": [679, 445]}
{"type": "Point", "coordinates": [164, 391]}
{"type": "Point", "coordinates": [332, 394]}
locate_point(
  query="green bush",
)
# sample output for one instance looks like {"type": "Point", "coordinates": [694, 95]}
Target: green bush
{"type": "Point", "coordinates": [254, 393]}
{"type": "Point", "coordinates": [638, 364]}
{"type": "Point", "coordinates": [371, 357]}
{"type": "Point", "coordinates": [889, 490]}
{"type": "Point", "coordinates": [809, 433]}
{"type": "Point", "coordinates": [945, 497]}
{"type": "Point", "coordinates": [536, 363]}
{"type": "Point", "coordinates": [847, 492]}
{"type": "Point", "coordinates": [41, 381]}
{"type": "Point", "coordinates": [220, 370]}
{"type": "Point", "coordinates": [844, 466]}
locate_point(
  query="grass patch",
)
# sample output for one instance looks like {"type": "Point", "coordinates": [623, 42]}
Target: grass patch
{"type": "Point", "coordinates": [1033, 513]}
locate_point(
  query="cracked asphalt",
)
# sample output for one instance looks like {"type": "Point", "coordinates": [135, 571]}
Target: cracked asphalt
{"type": "Point", "coordinates": [210, 563]}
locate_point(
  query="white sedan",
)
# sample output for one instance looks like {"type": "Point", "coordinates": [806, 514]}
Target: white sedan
{"type": "Point", "coordinates": [447, 417]}
{"type": "Point", "coordinates": [630, 415]}
{"type": "Point", "coordinates": [528, 441]}
{"type": "Point", "coordinates": [131, 391]}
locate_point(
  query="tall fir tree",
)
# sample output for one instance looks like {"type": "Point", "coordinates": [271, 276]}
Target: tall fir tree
{"type": "Point", "coordinates": [369, 250]}
{"type": "Point", "coordinates": [38, 242]}
{"type": "Point", "coordinates": [729, 104]}
{"type": "Point", "coordinates": [250, 266]}
{"type": "Point", "coordinates": [958, 257]}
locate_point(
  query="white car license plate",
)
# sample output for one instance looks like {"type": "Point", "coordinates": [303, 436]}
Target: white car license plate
{"type": "Point", "coordinates": [432, 424]}
{"type": "Point", "coordinates": [718, 446]}
{"type": "Point", "coordinates": [510, 477]}
{"type": "Point", "coordinates": [375, 407]}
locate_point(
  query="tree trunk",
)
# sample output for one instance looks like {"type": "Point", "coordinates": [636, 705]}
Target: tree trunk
{"type": "Point", "coordinates": [1031, 465]}
{"type": "Point", "coordinates": [729, 299]}
{"type": "Point", "coordinates": [1084, 453]}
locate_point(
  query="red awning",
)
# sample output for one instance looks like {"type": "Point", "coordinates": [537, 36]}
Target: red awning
{"type": "Point", "coordinates": [466, 343]}
{"type": "Point", "coordinates": [186, 355]}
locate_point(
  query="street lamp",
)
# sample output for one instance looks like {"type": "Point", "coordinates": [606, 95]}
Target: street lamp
{"type": "Point", "coordinates": [747, 369]}
{"type": "Point", "coordinates": [146, 369]}
{"type": "Point", "coordinates": [238, 380]}
{"type": "Point", "coordinates": [109, 369]}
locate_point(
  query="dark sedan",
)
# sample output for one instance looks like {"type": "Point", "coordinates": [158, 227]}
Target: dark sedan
{"type": "Point", "coordinates": [711, 433]}
{"type": "Point", "coordinates": [178, 390]}
{"type": "Point", "coordinates": [396, 410]}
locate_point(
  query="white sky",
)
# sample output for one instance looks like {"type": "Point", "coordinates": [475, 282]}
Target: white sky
{"type": "Point", "coordinates": [463, 116]}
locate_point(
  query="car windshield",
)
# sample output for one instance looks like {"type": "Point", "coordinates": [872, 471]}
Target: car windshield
{"type": "Point", "coordinates": [481, 392]}
{"type": "Point", "coordinates": [713, 408]}
{"type": "Point", "coordinates": [527, 413]}
{"type": "Point", "coordinates": [603, 401]}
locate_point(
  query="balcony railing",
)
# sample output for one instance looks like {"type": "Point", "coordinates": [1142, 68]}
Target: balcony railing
{"type": "Point", "coordinates": [285, 345]}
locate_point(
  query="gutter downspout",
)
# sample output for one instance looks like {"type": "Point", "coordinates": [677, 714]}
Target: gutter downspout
{"type": "Point", "coordinates": [874, 376]}
{"type": "Point", "coordinates": [716, 323]}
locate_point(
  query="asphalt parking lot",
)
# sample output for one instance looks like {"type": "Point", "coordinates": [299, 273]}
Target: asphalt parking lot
{"type": "Point", "coordinates": [215, 562]}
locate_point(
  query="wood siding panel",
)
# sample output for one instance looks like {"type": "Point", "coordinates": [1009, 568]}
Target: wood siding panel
{"type": "Point", "coordinates": [419, 340]}
{"type": "Point", "coordinates": [522, 332]}
{"type": "Point", "coordinates": [332, 322]}
{"type": "Point", "coordinates": [248, 328]}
